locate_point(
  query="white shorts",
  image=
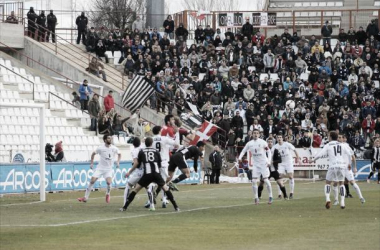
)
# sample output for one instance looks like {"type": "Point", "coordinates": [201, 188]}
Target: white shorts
{"type": "Point", "coordinates": [285, 168]}
{"type": "Point", "coordinates": [335, 174]}
{"type": "Point", "coordinates": [136, 176]}
{"type": "Point", "coordinates": [260, 171]}
{"type": "Point", "coordinates": [164, 170]}
{"type": "Point", "coordinates": [349, 175]}
{"type": "Point", "coordinates": [105, 173]}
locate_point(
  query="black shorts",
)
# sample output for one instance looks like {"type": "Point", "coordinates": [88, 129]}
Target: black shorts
{"type": "Point", "coordinates": [375, 166]}
{"type": "Point", "coordinates": [275, 175]}
{"type": "Point", "coordinates": [177, 160]}
{"type": "Point", "coordinates": [146, 179]}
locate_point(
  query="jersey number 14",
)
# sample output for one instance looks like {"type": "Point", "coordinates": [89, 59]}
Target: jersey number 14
{"type": "Point", "coordinates": [337, 150]}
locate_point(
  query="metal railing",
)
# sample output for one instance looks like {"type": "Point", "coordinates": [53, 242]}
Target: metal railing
{"type": "Point", "coordinates": [7, 8]}
{"type": "Point", "coordinates": [73, 55]}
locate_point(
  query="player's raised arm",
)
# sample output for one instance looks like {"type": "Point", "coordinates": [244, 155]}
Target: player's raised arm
{"type": "Point", "coordinates": [320, 154]}
{"type": "Point", "coordinates": [92, 159]}
{"type": "Point", "coordinates": [245, 149]}
{"type": "Point", "coordinates": [268, 154]}
{"type": "Point", "coordinates": [118, 160]}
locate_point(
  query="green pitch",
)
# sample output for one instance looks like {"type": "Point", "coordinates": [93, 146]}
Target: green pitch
{"type": "Point", "coordinates": [212, 217]}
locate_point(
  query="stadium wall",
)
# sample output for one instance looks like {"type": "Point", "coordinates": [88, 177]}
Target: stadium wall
{"type": "Point", "coordinates": [25, 178]}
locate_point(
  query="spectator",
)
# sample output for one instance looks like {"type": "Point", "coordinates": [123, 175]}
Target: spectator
{"type": "Point", "coordinates": [326, 32]}
{"type": "Point", "coordinates": [76, 99]}
{"type": "Point", "coordinates": [41, 22]}
{"type": "Point", "coordinates": [372, 29]}
{"type": "Point", "coordinates": [92, 39]}
{"type": "Point", "coordinates": [216, 161]}
{"type": "Point", "coordinates": [97, 68]}
{"type": "Point", "coordinates": [269, 61]}
{"type": "Point", "coordinates": [305, 140]}
{"type": "Point", "coordinates": [58, 152]}
{"type": "Point", "coordinates": [100, 50]}
{"type": "Point", "coordinates": [169, 26]}
{"type": "Point", "coordinates": [357, 141]}
{"type": "Point", "coordinates": [317, 139]}
{"type": "Point", "coordinates": [118, 126]}
{"type": "Point", "coordinates": [32, 18]}
{"type": "Point", "coordinates": [247, 29]}
{"type": "Point", "coordinates": [109, 103]}
{"type": "Point", "coordinates": [368, 126]}
{"type": "Point", "coordinates": [138, 24]}
{"type": "Point", "coordinates": [51, 23]}
{"type": "Point", "coordinates": [81, 23]}
{"type": "Point", "coordinates": [12, 18]}
{"type": "Point", "coordinates": [181, 33]}
{"type": "Point", "coordinates": [85, 91]}
{"type": "Point", "coordinates": [361, 36]}
{"type": "Point", "coordinates": [93, 110]}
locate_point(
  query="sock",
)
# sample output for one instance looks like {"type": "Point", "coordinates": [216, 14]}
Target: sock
{"type": "Point", "coordinates": [292, 184]}
{"type": "Point", "coordinates": [269, 187]}
{"type": "Point", "coordinates": [357, 189]}
{"type": "Point", "coordinates": [108, 189]}
{"type": "Point", "coordinates": [347, 188]}
{"type": "Point", "coordinates": [163, 197]}
{"type": "Point", "coordinates": [130, 199]}
{"type": "Point", "coordinates": [370, 175]}
{"type": "Point", "coordinates": [180, 178]}
{"type": "Point", "coordinates": [342, 195]}
{"type": "Point", "coordinates": [283, 190]}
{"type": "Point", "coordinates": [327, 192]}
{"type": "Point", "coordinates": [279, 190]}
{"type": "Point", "coordinates": [260, 190]}
{"type": "Point", "coordinates": [88, 190]}
{"type": "Point", "coordinates": [150, 196]}
{"type": "Point", "coordinates": [158, 189]}
{"type": "Point", "coordinates": [336, 193]}
{"type": "Point", "coordinates": [126, 192]}
{"type": "Point", "coordinates": [255, 189]}
{"type": "Point", "coordinates": [171, 199]}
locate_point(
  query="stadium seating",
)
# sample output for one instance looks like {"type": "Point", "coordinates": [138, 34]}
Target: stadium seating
{"type": "Point", "coordinates": [20, 128]}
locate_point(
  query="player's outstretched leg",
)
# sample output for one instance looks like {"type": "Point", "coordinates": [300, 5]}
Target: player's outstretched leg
{"type": "Point", "coordinates": [292, 185]}
{"type": "Point", "coordinates": [108, 192]}
{"type": "Point", "coordinates": [260, 188]}
{"type": "Point", "coordinates": [347, 187]}
{"type": "Point", "coordinates": [342, 191]}
{"type": "Point", "coordinates": [269, 188]}
{"type": "Point", "coordinates": [370, 176]}
{"type": "Point", "coordinates": [279, 190]}
{"type": "Point", "coordinates": [327, 194]}
{"type": "Point", "coordinates": [129, 201]}
{"type": "Point", "coordinates": [88, 191]}
{"type": "Point", "coordinates": [170, 197]}
{"type": "Point", "coordinates": [358, 191]}
{"type": "Point", "coordinates": [282, 189]}
{"type": "Point", "coordinates": [255, 190]}
{"type": "Point", "coordinates": [126, 192]}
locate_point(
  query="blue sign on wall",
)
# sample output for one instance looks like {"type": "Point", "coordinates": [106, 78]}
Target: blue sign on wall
{"type": "Point", "coordinates": [22, 178]}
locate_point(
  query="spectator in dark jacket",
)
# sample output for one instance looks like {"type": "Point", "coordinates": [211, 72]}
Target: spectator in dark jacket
{"type": "Point", "coordinates": [181, 32]}
{"type": "Point", "coordinates": [169, 26]}
{"type": "Point", "coordinates": [361, 36]}
{"type": "Point", "coordinates": [93, 110]}
{"type": "Point", "coordinates": [305, 140]}
{"type": "Point", "coordinates": [216, 161]}
{"type": "Point", "coordinates": [81, 23]}
{"type": "Point", "coordinates": [92, 39]}
{"type": "Point", "coordinates": [41, 22]}
{"type": "Point", "coordinates": [100, 50]}
{"type": "Point", "coordinates": [51, 23]}
{"type": "Point", "coordinates": [32, 18]}
{"type": "Point", "coordinates": [326, 32]}
{"type": "Point", "coordinates": [372, 29]}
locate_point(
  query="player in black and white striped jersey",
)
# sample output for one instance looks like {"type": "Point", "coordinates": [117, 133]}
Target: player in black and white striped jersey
{"type": "Point", "coordinates": [150, 159]}
{"type": "Point", "coordinates": [375, 161]}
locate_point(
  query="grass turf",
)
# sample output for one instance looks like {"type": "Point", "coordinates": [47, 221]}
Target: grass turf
{"type": "Point", "coordinates": [211, 217]}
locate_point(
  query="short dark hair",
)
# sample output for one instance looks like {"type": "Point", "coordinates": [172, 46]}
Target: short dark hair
{"type": "Point", "coordinates": [156, 130]}
{"type": "Point", "coordinates": [136, 142]}
{"type": "Point", "coordinates": [255, 129]}
{"type": "Point", "coordinates": [105, 137]}
{"type": "Point", "coordinates": [110, 92]}
{"type": "Point", "coordinates": [200, 144]}
{"type": "Point", "coordinates": [167, 118]}
{"type": "Point", "coordinates": [148, 141]}
{"type": "Point", "coordinates": [334, 135]}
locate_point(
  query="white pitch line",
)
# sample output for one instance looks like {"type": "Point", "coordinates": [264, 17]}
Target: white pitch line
{"type": "Point", "coordinates": [128, 217]}
{"type": "Point", "coordinates": [16, 204]}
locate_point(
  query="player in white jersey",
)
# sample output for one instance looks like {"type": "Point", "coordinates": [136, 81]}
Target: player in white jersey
{"type": "Point", "coordinates": [285, 167]}
{"type": "Point", "coordinates": [107, 153]}
{"type": "Point", "coordinates": [163, 144]}
{"type": "Point", "coordinates": [337, 155]}
{"type": "Point", "coordinates": [261, 158]}
{"type": "Point", "coordinates": [349, 174]}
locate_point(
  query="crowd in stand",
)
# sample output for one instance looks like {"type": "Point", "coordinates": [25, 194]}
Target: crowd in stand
{"type": "Point", "coordinates": [334, 88]}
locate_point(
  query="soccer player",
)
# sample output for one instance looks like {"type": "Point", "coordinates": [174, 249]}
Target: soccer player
{"type": "Point", "coordinates": [150, 159]}
{"type": "Point", "coordinates": [179, 160]}
{"type": "Point", "coordinates": [337, 155]}
{"type": "Point", "coordinates": [170, 129]}
{"type": "Point", "coordinates": [137, 174]}
{"type": "Point", "coordinates": [261, 157]}
{"type": "Point", "coordinates": [276, 159]}
{"type": "Point", "coordinates": [375, 160]}
{"type": "Point", "coordinates": [286, 168]}
{"type": "Point", "coordinates": [163, 145]}
{"type": "Point", "coordinates": [349, 174]}
{"type": "Point", "coordinates": [107, 153]}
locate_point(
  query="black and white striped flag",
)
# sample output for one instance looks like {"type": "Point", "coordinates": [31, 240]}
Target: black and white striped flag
{"type": "Point", "coordinates": [137, 93]}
